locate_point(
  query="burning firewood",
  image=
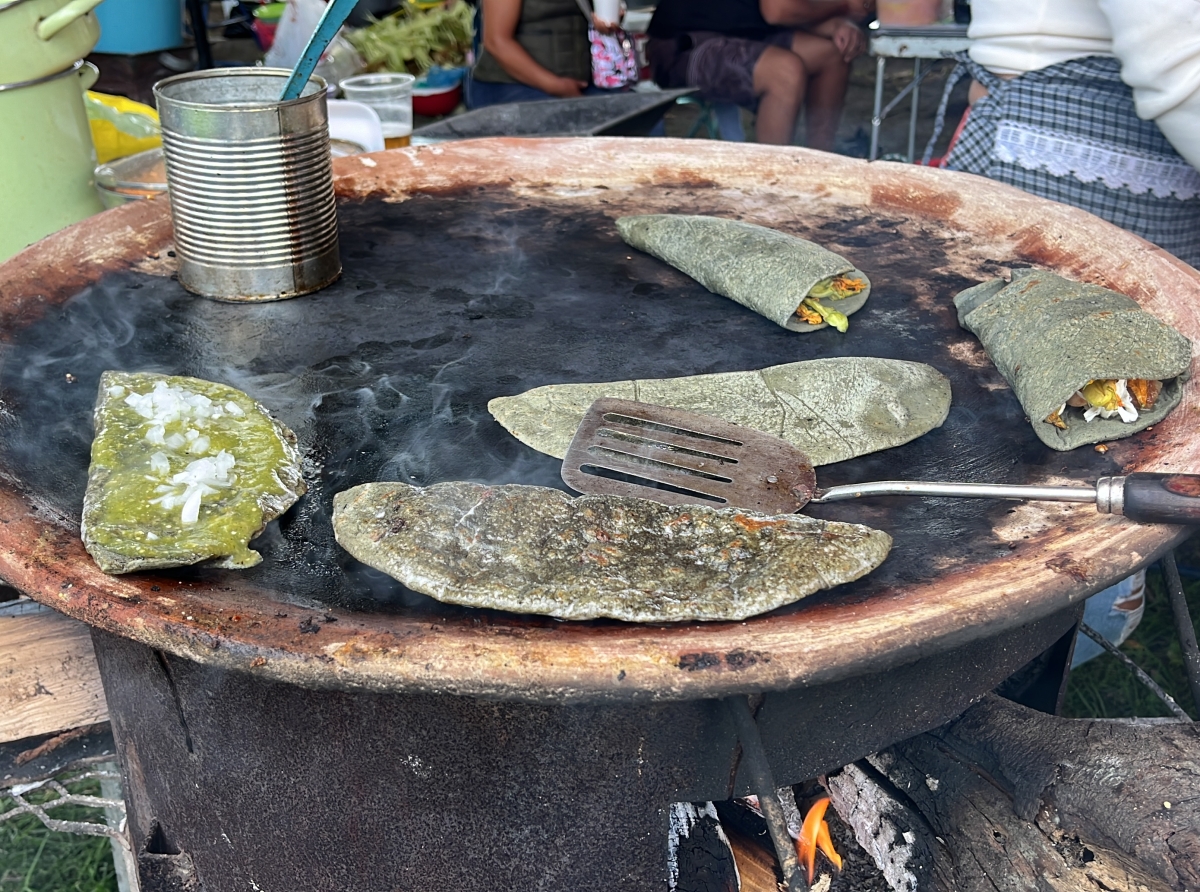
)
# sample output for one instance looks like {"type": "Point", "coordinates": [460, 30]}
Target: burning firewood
{"type": "Point", "coordinates": [1006, 796]}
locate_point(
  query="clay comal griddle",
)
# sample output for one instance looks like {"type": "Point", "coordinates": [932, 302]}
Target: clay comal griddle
{"type": "Point", "coordinates": [449, 301]}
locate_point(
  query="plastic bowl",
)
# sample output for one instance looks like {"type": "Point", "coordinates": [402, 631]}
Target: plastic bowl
{"type": "Point", "coordinates": [264, 33]}
{"type": "Point", "coordinates": [432, 102]}
{"type": "Point", "coordinates": [132, 178]}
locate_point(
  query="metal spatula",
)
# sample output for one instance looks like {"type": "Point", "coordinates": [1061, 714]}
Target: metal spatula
{"type": "Point", "coordinates": [637, 449]}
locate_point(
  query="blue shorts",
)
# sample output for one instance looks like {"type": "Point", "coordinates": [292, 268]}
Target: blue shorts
{"type": "Point", "coordinates": [1114, 613]}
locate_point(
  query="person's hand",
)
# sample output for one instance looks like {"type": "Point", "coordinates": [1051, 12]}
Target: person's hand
{"type": "Point", "coordinates": [859, 10]}
{"type": "Point", "coordinates": [848, 39]}
{"type": "Point", "coordinates": [566, 87]}
{"type": "Point", "coordinates": [605, 27]}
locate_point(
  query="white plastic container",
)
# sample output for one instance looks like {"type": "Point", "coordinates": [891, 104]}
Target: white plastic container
{"type": "Point", "coordinates": [608, 11]}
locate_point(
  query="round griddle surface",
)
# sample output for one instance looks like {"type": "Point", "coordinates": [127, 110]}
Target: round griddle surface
{"type": "Point", "coordinates": [461, 284]}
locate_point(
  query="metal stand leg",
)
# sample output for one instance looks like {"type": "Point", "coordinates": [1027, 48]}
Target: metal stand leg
{"type": "Point", "coordinates": [912, 116]}
{"type": "Point", "coordinates": [877, 115]}
{"type": "Point", "coordinates": [124, 860]}
{"type": "Point", "coordinates": [764, 787]}
{"type": "Point", "coordinates": [1183, 623]}
{"type": "Point", "coordinates": [204, 58]}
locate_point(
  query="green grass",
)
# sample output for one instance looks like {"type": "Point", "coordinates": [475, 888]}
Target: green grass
{"type": "Point", "coordinates": [36, 859]}
{"type": "Point", "coordinates": [1104, 688]}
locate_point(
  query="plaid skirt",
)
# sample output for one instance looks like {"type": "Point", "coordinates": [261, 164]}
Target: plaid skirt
{"type": "Point", "coordinates": [1070, 133]}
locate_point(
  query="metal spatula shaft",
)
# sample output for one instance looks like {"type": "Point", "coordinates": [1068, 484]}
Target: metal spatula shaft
{"type": "Point", "coordinates": [956, 490]}
{"type": "Point", "coordinates": [1144, 497]}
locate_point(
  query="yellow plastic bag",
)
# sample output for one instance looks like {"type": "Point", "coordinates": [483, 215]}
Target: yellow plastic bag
{"type": "Point", "coordinates": [121, 126]}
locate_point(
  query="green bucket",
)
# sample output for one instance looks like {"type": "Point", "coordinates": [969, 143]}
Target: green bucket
{"type": "Point", "coordinates": [47, 160]}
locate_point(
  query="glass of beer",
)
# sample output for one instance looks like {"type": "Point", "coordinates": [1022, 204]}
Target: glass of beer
{"type": "Point", "coordinates": [390, 95]}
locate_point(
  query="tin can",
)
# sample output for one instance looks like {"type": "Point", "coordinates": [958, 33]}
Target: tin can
{"type": "Point", "coordinates": [250, 180]}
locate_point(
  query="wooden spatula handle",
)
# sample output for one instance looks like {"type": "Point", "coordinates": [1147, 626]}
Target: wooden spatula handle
{"type": "Point", "coordinates": [1162, 498]}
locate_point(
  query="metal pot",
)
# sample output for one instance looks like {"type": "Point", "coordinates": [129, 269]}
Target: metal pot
{"type": "Point", "coordinates": [43, 37]}
{"type": "Point", "coordinates": [46, 156]}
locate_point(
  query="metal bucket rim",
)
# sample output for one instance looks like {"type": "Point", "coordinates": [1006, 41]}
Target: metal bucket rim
{"type": "Point", "coordinates": [243, 71]}
{"type": "Point", "coordinates": [71, 69]}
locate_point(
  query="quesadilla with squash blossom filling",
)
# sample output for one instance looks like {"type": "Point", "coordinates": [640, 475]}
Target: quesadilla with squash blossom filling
{"type": "Point", "coordinates": [793, 282]}
{"type": "Point", "coordinates": [530, 549]}
{"type": "Point", "coordinates": [1086, 363]}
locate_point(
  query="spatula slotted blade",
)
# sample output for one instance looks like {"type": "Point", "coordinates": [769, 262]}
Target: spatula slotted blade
{"type": "Point", "coordinates": [627, 448]}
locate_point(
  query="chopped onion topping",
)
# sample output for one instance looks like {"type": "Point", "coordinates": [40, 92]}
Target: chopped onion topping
{"type": "Point", "coordinates": [202, 477]}
{"type": "Point", "coordinates": [191, 505]}
{"type": "Point", "coordinates": [167, 405]}
{"type": "Point", "coordinates": [175, 418]}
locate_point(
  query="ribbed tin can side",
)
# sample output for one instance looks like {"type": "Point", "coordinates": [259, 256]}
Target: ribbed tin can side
{"type": "Point", "coordinates": [250, 181]}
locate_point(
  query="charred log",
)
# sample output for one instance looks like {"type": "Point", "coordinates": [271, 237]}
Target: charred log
{"type": "Point", "coordinates": [1006, 797]}
{"type": "Point", "coordinates": [700, 857]}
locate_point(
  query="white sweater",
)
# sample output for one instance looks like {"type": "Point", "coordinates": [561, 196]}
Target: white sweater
{"type": "Point", "coordinates": [1157, 42]}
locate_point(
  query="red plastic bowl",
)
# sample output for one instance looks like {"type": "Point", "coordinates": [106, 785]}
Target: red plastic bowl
{"type": "Point", "coordinates": [264, 32]}
{"type": "Point", "coordinates": [430, 102]}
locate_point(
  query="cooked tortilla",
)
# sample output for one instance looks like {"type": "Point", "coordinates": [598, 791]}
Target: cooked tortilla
{"type": "Point", "coordinates": [1049, 336]}
{"type": "Point", "coordinates": [763, 269]}
{"type": "Point", "coordinates": [529, 549]}
{"type": "Point", "coordinates": [183, 471]}
{"type": "Point", "coordinates": [832, 409]}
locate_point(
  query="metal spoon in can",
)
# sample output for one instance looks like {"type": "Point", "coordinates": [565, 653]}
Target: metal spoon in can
{"type": "Point", "coordinates": [332, 19]}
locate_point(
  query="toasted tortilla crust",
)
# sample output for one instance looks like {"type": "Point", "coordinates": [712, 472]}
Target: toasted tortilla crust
{"type": "Point", "coordinates": [763, 269]}
{"type": "Point", "coordinates": [1049, 336]}
{"type": "Point", "coordinates": [529, 549]}
{"type": "Point", "coordinates": [832, 409]}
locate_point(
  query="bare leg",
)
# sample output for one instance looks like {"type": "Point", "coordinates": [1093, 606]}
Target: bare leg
{"type": "Point", "coordinates": [779, 81]}
{"type": "Point", "coordinates": [828, 75]}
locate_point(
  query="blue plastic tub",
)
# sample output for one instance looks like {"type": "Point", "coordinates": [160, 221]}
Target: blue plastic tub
{"type": "Point", "coordinates": [129, 27]}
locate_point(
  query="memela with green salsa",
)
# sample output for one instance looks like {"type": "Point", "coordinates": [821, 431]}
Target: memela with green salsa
{"type": "Point", "coordinates": [183, 471]}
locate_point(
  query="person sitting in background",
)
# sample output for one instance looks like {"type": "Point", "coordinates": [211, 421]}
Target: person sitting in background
{"type": "Point", "coordinates": [1094, 103]}
{"type": "Point", "coordinates": [531, 49]}
{"type": "Point", "coordinates": [775, 56]}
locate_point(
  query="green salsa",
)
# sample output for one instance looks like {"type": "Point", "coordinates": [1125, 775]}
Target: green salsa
{"type": "Point", "coordinates": [183, 470]}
